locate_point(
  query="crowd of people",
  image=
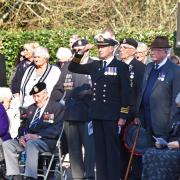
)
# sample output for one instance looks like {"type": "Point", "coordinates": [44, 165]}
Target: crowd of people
{"type": "Point", "coordinates": [94, 101]}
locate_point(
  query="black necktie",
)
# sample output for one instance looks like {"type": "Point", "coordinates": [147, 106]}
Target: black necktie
{"type": "Point", "coordinates": [36, 118]}
{"type": "Point", "coordinates": [104, 64]}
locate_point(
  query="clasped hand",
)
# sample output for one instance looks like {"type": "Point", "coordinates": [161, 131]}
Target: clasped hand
{"type": "Point", "coordinates": [25, 138]}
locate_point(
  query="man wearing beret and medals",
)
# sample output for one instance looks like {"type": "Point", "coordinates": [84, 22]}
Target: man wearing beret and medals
{"type": "Point", "coordinates": [39, 133]}
{"type": "Point", "coordinates": [109, 104]}
{"type": "Point", "coordinates": [127, 51]}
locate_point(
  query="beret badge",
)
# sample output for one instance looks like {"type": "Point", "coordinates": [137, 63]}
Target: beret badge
{"type": "Point", "coordinates": [80, 43]}
{"type": "Point", "coordinates": [36, 89]}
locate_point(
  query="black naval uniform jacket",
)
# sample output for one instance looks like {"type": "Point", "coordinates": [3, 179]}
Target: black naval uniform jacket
{"type": "Point", "coordinates": [49, 125]}
{"type": "Point", "coordinates": [136, 73]}
{"type": "Point", "coordinates": [110, 99]}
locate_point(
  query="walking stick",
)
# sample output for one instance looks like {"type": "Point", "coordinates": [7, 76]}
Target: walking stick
{"type": "Point", "coordinates": [132, 153]}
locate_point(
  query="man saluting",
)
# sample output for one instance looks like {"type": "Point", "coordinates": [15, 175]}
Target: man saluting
{"type": "Point", "coordinates": [109, 104]}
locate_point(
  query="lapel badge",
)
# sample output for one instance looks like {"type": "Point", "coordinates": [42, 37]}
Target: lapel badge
{"type": "Point", "coordinates": [161, 77]}
{"type": "Point", "coordinates": [130, 67]}
{"type": "Point", "coordinates": [131, 75]}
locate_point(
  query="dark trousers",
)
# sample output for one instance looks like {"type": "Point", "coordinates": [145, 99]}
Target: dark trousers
{"type": "Point", "coordinates": [107, 152]}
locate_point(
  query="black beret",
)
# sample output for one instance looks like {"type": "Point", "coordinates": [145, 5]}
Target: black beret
{"type": "Point", "coordinates": [80, 42]}
{"type": "Point", "coordinates": [103, 41]}
{"type": "Point", "coordinates": [37, 88]}
{"type": "Point", "coordinates": [130, 41]}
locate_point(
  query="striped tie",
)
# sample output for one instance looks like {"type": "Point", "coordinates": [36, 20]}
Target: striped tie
{"type": "Point", "coordinates": [36, 118]}
{"type": "Point", "coordinates": [156, 66]}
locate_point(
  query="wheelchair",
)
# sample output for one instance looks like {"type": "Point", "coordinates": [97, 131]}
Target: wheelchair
{"type": "Point", "coordinates": [51, 164]}
{"type": "Point", "coordinates": [2, 170]}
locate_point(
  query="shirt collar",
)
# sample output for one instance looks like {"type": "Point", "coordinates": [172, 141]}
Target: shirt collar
{"type": "Point", "coordinates": [128, 61]}
{"type": "Point", "coordinates": [43, 108]}
{"type": "Point", "coordinates": [162, 62]}
{"type": "Point", "coordinates": [108, 60]}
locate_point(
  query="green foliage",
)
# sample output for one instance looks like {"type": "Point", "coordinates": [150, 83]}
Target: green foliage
{"type": "Point", "coordinates": [53, 39]}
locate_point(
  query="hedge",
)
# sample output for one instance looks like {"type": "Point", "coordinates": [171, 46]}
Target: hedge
{"type": "Point", "coordinates": [53, 39]}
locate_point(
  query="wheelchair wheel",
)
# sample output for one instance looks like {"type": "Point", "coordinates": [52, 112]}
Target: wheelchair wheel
{"type": "Point", "coordinates": [58, 175]}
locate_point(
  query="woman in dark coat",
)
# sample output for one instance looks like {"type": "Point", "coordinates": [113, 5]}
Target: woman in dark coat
{"type": "Point", "coordinates": [163, 162]}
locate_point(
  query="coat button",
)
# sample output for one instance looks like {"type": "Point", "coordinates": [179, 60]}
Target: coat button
{"type": "Point", "coordinates": [94, 84]}
{"type": "Point", "coordinates": [94, 94]}
{"type": "Point", "coordinates": [94, 89]}
{"type": "Point", "coordinates": [105, 85]}
{"type": "Point", "coordinates": [104, 90]}
{"type": "Point", "coordinates": [104, 95]}
{"type": "Point", "coordinates": [94, 99]}
{"type": "Point", "coordinates": [104, 100]}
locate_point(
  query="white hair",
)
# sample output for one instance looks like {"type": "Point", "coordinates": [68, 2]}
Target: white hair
{"type": "Point", "coordinates": [5, 92]}
{"type": "Point", "coordinates": [41, 51]}
{"type": "Point", "coordinates": [63, 53]}
{"type": "Point", "coordinates": [142, 46]}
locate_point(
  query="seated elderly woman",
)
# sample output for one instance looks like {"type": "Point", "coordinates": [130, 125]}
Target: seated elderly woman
{"type": "Point", "coordinates": [41, 71]}
{"type": "Point", "coordinates": [11, 105]}
{"type": "Point", "coordinates": [163, 162]}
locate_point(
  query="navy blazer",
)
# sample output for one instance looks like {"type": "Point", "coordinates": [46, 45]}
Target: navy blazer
{"type": "Point", "coordinates": [49, 126]}
{"type": "Point", "coordinates": [162, 99]}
